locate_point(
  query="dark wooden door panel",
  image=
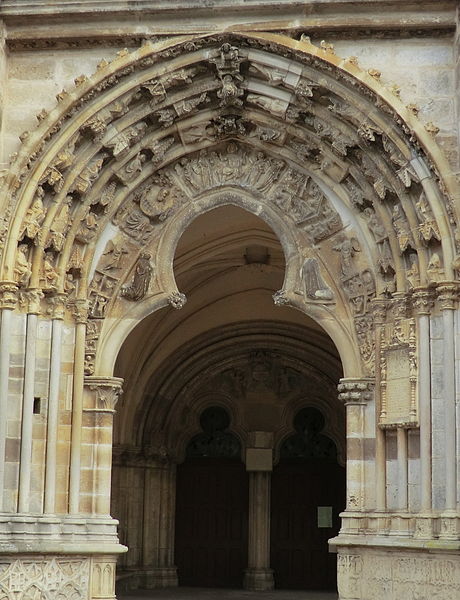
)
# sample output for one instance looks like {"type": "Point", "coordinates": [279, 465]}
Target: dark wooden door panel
{"type": "Point", "coordinates": [299, 550]}
{"type": "Point", "coordinates": [211, 522]}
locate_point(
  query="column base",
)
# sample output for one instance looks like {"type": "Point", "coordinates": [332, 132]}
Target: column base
{"type": "Point", "coordinates": [450, 526]}
{"type": "Point", "coordinates": [258, 580]}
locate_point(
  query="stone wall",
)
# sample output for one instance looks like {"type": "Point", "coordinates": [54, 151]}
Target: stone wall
{"type": "Point", "coordinates": [396, 573]}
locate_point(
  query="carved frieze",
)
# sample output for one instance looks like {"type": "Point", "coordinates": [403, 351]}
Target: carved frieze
{"type": "Point", "coordinates": [303, 200]}
{"type": "Point", "coordinates": [30, 578]}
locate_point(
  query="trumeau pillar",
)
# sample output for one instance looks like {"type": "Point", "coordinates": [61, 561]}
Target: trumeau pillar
{"type": "Point", "coordinates": [159, 516]}
{"type": "Point", "coordinates": [259, 463]}
{"type": "Point", "coordinates": [8, 300]}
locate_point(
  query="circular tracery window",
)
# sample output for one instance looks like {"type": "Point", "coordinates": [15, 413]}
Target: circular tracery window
{"type": "Point", "coordinates": [215, 441]}
{"type": "Point", "coordinates": [308, 442]}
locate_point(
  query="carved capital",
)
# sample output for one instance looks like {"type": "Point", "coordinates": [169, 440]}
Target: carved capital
{"type": "Point", "coordinates": [356, 391]}
{"type": "Point", "coordinates": [31, 300]}
{"type": "Point", "coordinates": [107, 390]}
{"type": "Point", "coordinates": [379, 308]}
{"type": "Point", "coordinates": [399, 305]}
{"type": "Point", "coordinates": [447, 294]}
{"type": "Point", "coordinates": [422, 301]}
{"type": "Point", "coordinates": [80, 309]}
{"type": "Point", "coordinates": [56, 306]}
{"type": "Point", "coordinates": [8, 294]}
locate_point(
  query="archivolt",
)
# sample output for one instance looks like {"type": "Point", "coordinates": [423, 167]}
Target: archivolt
{"type": "Point", "coordinates": [309, 136]}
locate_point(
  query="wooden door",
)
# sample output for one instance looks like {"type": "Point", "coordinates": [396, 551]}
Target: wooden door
{"type": "Point", "coordinates": [211, 522]}
{"type": "Point", "coordinates": [299, 548]}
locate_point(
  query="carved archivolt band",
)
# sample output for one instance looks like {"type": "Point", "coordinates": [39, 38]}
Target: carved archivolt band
{"type": "Point", "coordinates": [312, 136]}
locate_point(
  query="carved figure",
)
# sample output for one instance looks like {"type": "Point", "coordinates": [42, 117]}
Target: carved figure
{"type": "Point", "coordinates": [428, 227]}
{"type": "Point", "coordinates": [34, 218]}
{"type": "Point", "coordinates": [159, 149]}
{"type": "Point", "coordinates": [347, 248]}
{"type": "Point", "coordinates": [230, 93]}
{"type": "Point", "coordinates": [49, 274]}
{"type": "Point", "coordinates": [61, 225]}
{"type": "Point", "coordinates": [385, 260]}
{"type": "Point", "coordinates": [88, 175]}
{"type": "Point", "coordinates": [137, 225]}
{"type": "Point", "coordinates": [137, 288]}
{"type": "Point", "coordinates": [413, 273]}
{"type": "Point", "coordinates": [315, 287]}
{"type": "Point", "coordinates": [121, 144]}
{"type": "Point", "coordinates": [22, 270]}
{"type": "Point", "coordinates": [401, 227]}
{"type": "Point", "coordinates": [88, 228]}
{"type": "Point", "coordinates": [434, 269]}
{"type": "Point", "coordinates": [113, 256]}
{"type": "Point", "coordinates": [132, 168]}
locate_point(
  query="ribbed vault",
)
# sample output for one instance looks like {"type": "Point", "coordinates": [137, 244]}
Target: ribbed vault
{"type": "Point", "coordinates": [352, 184]}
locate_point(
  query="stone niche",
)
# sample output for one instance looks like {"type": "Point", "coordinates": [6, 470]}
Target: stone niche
{"type": "Point", "coordinates": [394, 574]}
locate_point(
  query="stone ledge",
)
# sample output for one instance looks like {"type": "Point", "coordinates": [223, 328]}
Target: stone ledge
{"type": "Point", "coordinates": [393, 542]}
{"type": "Point", "coordinates": [49, 534]}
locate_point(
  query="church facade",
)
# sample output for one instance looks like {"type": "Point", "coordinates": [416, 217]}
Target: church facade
{"type": "Point", "coordinates": [229, 325]}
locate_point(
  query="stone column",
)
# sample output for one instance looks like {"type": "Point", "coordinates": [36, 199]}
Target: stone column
{"type": "Point", "coordinates": [159, 520]}
{"type": "Point", "coordinates": [380, 313]}
{"type": "Point", "coordinates": [8, 300]}
{"type": "Point", "coordinates": [57, 313]}
{"type": "Point", "coordinates": [33, 299]}
{"type": "Point", "coordinates": [355, 394]}
{"type": "Point", "coordinates": [81, 316]}
{"type": "Point", "coordinates": [100, 398]}
{"type": "Point", "coordinates": [447, 295]}
{"type": "Point", "coordinates": [259, 462]}
{"type": "Point", "coordinates": [422, 306]}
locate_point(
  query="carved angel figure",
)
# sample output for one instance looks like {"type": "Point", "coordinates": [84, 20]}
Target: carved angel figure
{"type": "Point", "coordinates": [230, 94]}
{"type": "Point", "coordinates": [137, 288]}
{"type": "Point", "coordinates": [22, 270]}
{"type": "Point", "coordinates": [315, 287]}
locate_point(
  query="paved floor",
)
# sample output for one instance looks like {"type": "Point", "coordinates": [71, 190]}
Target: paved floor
{"type": "Point", "coordinates": [183, 593]}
